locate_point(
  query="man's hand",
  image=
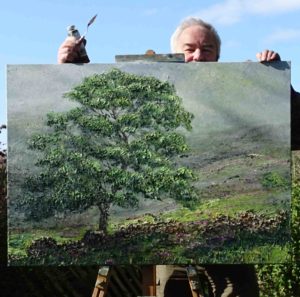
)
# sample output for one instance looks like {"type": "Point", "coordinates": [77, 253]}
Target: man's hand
{"type": "Point", "coordinates": [70, 51]}
{"type": "Point", "coordinates": [267, 56]}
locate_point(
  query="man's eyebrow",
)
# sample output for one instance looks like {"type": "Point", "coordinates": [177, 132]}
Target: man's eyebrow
{"type": "Point", "coordinates": [206, 45]}
{"type": "Point", "coordinates": [189, 44]}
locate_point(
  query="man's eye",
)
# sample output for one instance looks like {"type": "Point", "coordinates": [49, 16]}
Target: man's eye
{"type": "Point", "coordinates": [207, 50]}
{"type": "Point", "coordinates": [189, 50]}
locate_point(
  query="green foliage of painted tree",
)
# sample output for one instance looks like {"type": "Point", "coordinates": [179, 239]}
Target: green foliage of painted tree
{"type": "Point", "coordinates": [119, 145]}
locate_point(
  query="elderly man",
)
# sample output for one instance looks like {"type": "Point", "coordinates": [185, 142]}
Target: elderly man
{"type": "Point", "coordinates": [200, 42]}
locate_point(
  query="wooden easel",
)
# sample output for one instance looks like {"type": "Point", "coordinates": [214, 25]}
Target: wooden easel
{"type": "Point", "coordinates": [101, 282]}
{"type": "Point", "coordinates": [110, 276]}
{"type": "Point", "coordinates": [148, 282]}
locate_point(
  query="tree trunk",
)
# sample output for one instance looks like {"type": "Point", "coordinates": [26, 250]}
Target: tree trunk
{"type": "Point", "coordinates": [104, 214]}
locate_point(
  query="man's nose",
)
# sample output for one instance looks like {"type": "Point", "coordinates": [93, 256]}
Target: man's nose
{"type": "Point", "coordinates": [198, 55]}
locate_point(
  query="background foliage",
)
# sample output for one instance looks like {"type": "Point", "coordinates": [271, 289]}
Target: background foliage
{"type": "Point", "coordinates": [284, 280]}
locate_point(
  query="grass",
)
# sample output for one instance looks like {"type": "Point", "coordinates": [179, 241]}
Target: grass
{"type": "Point", "coordinates": [259, 202]}
{"type": "Point", "coordinates": [275, 180]}
{"type": "Point", "coordinates": [260, 254]}
{"type": "Point", "coordinates": [151, 249]}
{"type": "Point", "coordinates": [19, 241]}
{"type": "Point", "coordinates": [147, 218]}
{"type": "Point", "coordinates": [267, 253]}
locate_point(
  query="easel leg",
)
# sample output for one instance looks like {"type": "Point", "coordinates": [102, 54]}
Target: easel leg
{"type": "Point", "coordinates": [101, 282]}
{"type": "Point", "coordinates": [149, 280]}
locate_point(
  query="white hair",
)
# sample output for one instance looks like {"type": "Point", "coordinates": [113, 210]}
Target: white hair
{"type": "Point", "coordinates": [189, 22]}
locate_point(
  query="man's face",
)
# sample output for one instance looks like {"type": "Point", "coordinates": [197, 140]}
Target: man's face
{"type": "Point", "coordinates": [197, 44]}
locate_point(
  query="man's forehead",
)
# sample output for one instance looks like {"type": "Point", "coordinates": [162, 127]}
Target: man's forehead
{"type": "Point", "coordinates": [196, 32]}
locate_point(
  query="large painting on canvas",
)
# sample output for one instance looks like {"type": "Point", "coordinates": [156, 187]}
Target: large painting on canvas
{"type": "Point", "coordinates": [157, 163]}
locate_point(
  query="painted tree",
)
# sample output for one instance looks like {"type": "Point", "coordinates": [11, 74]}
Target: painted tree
{"type": "Point", "coordinates": [118, 145]}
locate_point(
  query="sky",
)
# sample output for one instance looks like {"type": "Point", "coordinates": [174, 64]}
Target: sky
{"type": "Point", "coordinates": [32, 30]}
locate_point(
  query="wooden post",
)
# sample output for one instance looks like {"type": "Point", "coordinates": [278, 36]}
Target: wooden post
{"type": "Point", "coordinates": [101, 282]}
{"type": "Point", "coordinates": [194, 282]}
{"type": "Point", "coordinates": [149, 280]}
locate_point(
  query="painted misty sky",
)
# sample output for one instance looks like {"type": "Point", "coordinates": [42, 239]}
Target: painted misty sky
{"type": "Point", "coordinates": [32, 30]}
